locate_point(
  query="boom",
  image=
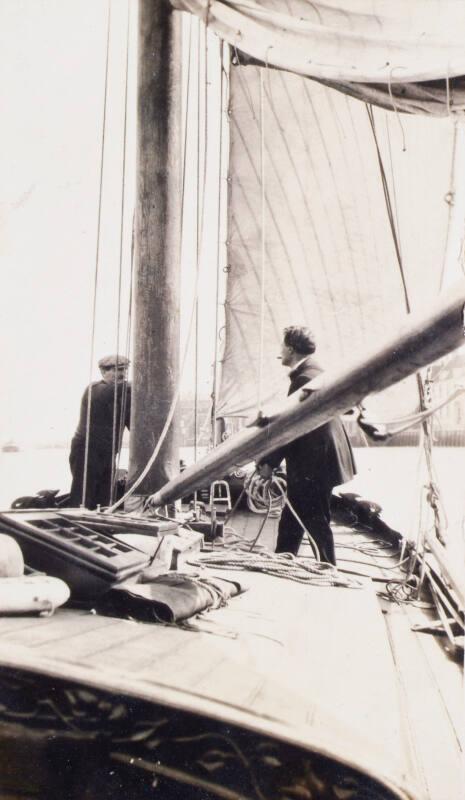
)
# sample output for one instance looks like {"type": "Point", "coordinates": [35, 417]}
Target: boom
{"type": "Point", "coordinates": [424, 339]}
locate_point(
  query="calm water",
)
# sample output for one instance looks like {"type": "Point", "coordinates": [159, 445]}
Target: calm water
{"type": "Point", "coordinates": [392, 476]}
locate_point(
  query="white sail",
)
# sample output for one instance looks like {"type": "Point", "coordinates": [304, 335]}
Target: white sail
{"type": "Point", "coordinates": [344, 40]}
{"type": "Point", "coordinates": [304, 173]}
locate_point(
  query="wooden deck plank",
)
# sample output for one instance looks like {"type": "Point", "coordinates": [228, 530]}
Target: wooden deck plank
{"type": "Point", "coordinates": [285, 652]}
{"type": "Point", "coordinates": [234, 684]}
{"type": "Point", "coordinates": [272, 698]}
{"type": "Point", "coordinates": [91, 641]}
{"type": "Point", "coordinates": [356, 682]}
{"type": "Point", "coordinates": [184, 666]}
{"type": "Point", "coordinates": [62, 627]}
{"type": "Point", "coordinates": [447, 676]}
{"type": "Point", "coordinates": [281, 633]}
{"type": "Point", "coordinates": [290, 641]}
{"type": "Point", "coordinates": [22, 622]}
{"type": "Point", "coordinates": [148, 646]}
{"type": "Point", "coordinates": [438, 756]}
{"type": "Point", "coordinates": [431, 686]}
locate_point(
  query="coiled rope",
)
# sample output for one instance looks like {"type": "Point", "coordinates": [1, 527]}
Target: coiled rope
{"type": "Point", "coordinates": [261, 494]}
{"type": "Point", "coordinates": [269, 496]}
{"type": "Point", "coordinates": [279, 565]}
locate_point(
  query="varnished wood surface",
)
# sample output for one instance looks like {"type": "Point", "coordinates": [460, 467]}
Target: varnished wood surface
{"type": "Point", "coordinates": [323, 666]}
{"type": "Point", "coordinates": [429, 678]}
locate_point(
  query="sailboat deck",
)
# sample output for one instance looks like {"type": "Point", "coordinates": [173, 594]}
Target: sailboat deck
{"type": "Point", "coordinates": [429, 674]}
{"type": "Point", "coordinates": [329, 667]}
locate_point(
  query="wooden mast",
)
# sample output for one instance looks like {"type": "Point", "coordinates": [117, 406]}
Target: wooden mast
{"type": "Point", "coordinates": [423, 340]}
{"type": "Point", "coordinates": [157, 241]}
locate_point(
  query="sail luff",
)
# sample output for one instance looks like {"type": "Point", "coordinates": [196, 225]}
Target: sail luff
{"type": "Point", "coordinates": [424, 339]}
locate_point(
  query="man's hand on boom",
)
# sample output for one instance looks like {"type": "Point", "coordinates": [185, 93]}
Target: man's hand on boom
{"type": "Point", "coordinates": [265, 471]}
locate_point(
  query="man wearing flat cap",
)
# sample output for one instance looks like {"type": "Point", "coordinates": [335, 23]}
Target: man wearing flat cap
{"type": "Point", "coordinates": [105, 412]}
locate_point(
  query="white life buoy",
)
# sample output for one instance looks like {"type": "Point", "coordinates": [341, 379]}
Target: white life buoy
{"type": "Point", "coordinates": [29, 593]}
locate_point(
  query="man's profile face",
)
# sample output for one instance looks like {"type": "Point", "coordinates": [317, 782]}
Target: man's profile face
{"type": "Point", "coordinates": [286, 354]}
{"type": "Point", "coordinates": [114, 374]}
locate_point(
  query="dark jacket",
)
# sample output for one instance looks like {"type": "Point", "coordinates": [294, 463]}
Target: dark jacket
{"type": "Point", "coordinates": [102, 411]}
{"type": "Point", "coordinates": [324, 454]}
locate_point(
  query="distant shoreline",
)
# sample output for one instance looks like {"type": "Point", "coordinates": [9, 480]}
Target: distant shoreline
{"type": "Point", "coordinates": [453, 438]}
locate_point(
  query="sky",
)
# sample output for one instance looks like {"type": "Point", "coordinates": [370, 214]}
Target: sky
{"type": "Point", "coordinates": [52, 96]}
{"type": "Point", "coordinates": [54, 106]}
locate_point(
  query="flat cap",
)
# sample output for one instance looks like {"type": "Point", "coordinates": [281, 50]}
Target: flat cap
{"type": "Point", "coordinates": [113, 361]}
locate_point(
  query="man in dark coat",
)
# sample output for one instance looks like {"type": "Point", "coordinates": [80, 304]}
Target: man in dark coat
{"type": "Point", "coordinates": [315, 462]}
{"type": "Point", "coordinates": [108, 416]}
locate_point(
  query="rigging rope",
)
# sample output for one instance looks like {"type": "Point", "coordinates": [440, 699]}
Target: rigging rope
{"type": "Point", "coordinates": [218, 254]}
{"type": "Point", "coordinates": [260, 493]}
{"type": "Point", "coordinates": [274, 489]}
{"type": "Point", "coordinates": [395, 109]}
{"type": "Point", "coordinates": [197, 246]}
{"type": "Point", "coordinates": [381, 431]}
{"type": "Point", "coordinates": [388, 206]}
{"type": "Point", "coordinates": [200, 209]}
{"type": "Point", "coordinates": [118, 424]}
{"type": "Point", "coordinates": [175, 399]}
{"type": "Point", "coordinates": [426, 438]}
{"type": "Point", "coordinates": [262, 242]}
{"type": "Point", "coordinates": [393, 182]}
{"type": "Point", "coordinates": [449, 199]}
{"type": "Point", "coordinates": [97, 262]}
{"type": "Point", "coordinates": [126, 351]}
{"type": "Point", "coordinates": [401, 589]}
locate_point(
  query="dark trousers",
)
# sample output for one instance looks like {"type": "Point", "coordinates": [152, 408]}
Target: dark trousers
{"type": "Point", "coordinates": [98, 483]}
{"type": "Point", "coordinates": [311, 500]}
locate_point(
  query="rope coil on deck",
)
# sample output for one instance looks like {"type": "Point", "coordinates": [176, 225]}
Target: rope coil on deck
{"type": "Point", "coordinates": [279, 565]}
{"type": "Point", "coordinates": [261, 493]}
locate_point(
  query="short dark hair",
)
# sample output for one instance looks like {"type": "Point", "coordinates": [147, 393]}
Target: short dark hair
{"type": "Point", "coordinates": [301, 339]}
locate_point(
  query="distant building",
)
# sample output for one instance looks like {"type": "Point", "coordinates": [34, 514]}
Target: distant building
{"type": "Point", "coordinates": [445, 377]}
{"type": "Point", "coordinates": [192, 430]}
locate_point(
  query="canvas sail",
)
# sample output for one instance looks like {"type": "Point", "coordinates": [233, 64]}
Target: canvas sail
{"type": "Point", "coordinates": [329, 225]}
{"type": "Point", "coordinates": [309, 239]}
{"type": "Point", "coordinates": [372, 41]}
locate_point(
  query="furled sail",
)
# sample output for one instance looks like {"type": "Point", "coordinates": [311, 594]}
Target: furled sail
{"type": "Point", "coordinates": [371, 41]}
{"type": "Point", "coordinates": [319, 233]}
